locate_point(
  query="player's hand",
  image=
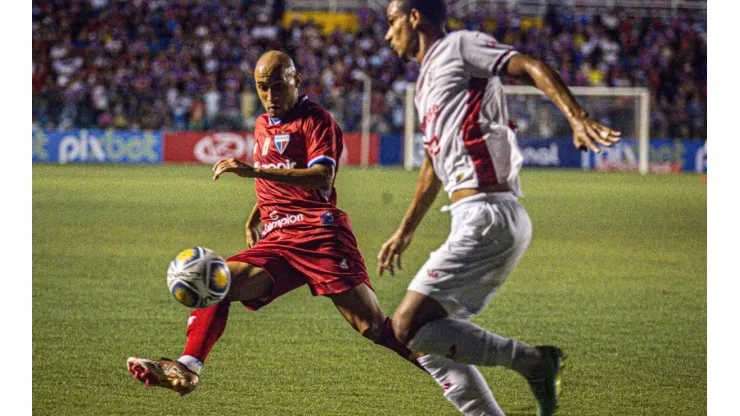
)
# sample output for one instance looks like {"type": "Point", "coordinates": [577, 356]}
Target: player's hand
{"type": "Point", "coordinates": [587, 133]}
{"type": "Point", "coordinates": [254, 234]}
{"type": "Point", "coordinates": [232, 165]}
{"type": "Point", "coordinates": [390, 252]}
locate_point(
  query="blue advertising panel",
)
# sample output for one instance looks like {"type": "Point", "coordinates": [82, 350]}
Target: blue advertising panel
{"type": "Point", "coordinates": [391, 149]}
{"type": "Point", "coordinates": [665, 156]}
{"type": "Point", "coordinates": [97, 146]}
{"type": "Point", "coordinates": [558, 152]}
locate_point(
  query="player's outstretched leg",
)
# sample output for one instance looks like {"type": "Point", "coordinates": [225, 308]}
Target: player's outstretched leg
{"type": "Point", "coordinates": [420, 323]}
{"type": "Point", "coordinates": [205, 327]}
{"type": "Point", "coordinates": [361, 309]}
{"type": "Point", "coordinates": [163, 373]}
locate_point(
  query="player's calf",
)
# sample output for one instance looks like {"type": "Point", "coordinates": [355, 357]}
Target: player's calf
{"type": "Point", "coordinates": [163, 373]}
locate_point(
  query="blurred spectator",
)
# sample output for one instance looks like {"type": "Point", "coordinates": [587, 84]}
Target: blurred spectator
{"type": "Point", "coordinates": [187, 64]}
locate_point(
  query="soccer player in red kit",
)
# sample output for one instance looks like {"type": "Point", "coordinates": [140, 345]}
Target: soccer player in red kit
{"type": "Point", "coordinates": [305, 238]}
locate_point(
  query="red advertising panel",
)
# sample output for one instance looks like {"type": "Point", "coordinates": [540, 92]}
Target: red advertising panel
{"type": "Point", "coordinates": [207, 147]}
{"type": "Point", "coordinates": [352, 154]}
{"type": "Point", "coordinates": [210, 147]}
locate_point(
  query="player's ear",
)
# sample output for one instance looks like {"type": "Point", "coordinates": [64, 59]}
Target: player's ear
{"type": "Point", "coordinates": [414, 19]}
{"type": "Point", "coordinates": [297, 80]}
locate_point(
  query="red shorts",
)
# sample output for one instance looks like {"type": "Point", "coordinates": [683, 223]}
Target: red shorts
{"type": "Point", "coordinates": [327, 259]}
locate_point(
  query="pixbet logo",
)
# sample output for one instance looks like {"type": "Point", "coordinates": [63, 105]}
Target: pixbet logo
{"type": "Point", "coordinates": [280, 165]}
{"type": "Point", "coordinates": [90, 146]}
{"type": "Point", "coordinates": [278, 222]}
{"type": "Point", "coordinates": [214, 147]}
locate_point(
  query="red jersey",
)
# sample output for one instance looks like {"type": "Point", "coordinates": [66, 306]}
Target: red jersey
{"type": "Point", "coordinates": [307, 135]}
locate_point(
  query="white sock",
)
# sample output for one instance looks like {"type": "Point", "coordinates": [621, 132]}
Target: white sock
{"type": "Point", "coordinates": [193, 364]}
{"type": "Point", "coordinates": [464, 342]}
{"type": "Point", "coordinates": [463, 386]}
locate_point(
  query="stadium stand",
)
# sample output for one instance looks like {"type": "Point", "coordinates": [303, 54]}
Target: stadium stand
{"type": "Point", "coordinates": [186, 65]}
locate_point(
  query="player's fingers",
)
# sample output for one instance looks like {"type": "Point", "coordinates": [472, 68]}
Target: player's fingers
{"type": "Point", "coordinates": [604, 138]}
{"type": "Point", "coordinates": [590, 138]}
{"type": "Point", "coordinates": [383, 266]}
{"type": "Point", "coordinates": [608, 136]}
{"type": "Point", "coordinates": [391, 258]}
{"type": "Point", "coordinates": [219, 163]}
{"type": "Point", "coordinates": [609, 131]}
{"type": "Point", "coordinates": [595, 135]}
{"type": "Point", "coordinates": [578, 143]}
{"type": "Point", "coordinates": [218, 172]}
{"type": "Point", "coordinates": [381, 258]}
{"type": "Point", "coordinates": [390, 269]}
{"type": "Point", "coordinates": [220, 168]}
{"type": "Point", "coordinates": [398, 262]}
{"type": "Point", "coordinates": [382, 253]}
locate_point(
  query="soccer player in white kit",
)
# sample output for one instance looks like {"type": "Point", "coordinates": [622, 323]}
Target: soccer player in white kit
{"type": "Point", "coordinates": [472, 152]}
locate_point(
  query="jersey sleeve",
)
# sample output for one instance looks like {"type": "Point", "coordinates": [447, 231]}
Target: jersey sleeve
{"type": "Point", "coordinates": [483, 55]}
{"type": "Point", "coordinates": [322, 140]}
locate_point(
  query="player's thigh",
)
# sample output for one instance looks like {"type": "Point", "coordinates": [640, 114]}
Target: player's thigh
{"type": "Point", "coordinates": [248, 282]}
{"type": "Point", "coordinates": [360, 307]}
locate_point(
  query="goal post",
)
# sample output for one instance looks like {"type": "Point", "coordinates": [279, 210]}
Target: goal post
{"type": "Point", "coordinates": [625, 109]}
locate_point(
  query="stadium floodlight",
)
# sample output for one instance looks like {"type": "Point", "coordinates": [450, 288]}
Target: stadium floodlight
{"type": "Point", "coordinates": [622, 108]}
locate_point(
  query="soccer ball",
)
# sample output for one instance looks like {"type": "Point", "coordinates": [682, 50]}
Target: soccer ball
{"type": "Point", "coordinates": [198, 278]}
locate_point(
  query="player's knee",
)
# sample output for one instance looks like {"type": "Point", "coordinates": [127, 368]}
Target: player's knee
{"type": "Point", "coordinates": [403, 326]}
{"type": "Point", "coordinates": [371, 330]}
{"type": "Point", "coordinates": [248, 282]}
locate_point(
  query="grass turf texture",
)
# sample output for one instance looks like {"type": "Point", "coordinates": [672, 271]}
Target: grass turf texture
{"type": "Point", "coordinates": [615, 274]}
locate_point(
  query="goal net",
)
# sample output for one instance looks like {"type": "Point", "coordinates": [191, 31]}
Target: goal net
{"type": "Point", "coordinates": [545, 135]}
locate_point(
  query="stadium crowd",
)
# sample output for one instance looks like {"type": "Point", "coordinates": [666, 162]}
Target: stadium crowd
{"type": "Point", "coordinates": [187, 64]}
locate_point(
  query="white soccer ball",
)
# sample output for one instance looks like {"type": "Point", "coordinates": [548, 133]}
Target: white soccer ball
{"type": "Point", "coordinates": [198, 278]}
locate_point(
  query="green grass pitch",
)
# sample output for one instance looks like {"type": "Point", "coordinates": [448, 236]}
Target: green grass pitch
{"type": "Point", "coordinates": [615, 274]}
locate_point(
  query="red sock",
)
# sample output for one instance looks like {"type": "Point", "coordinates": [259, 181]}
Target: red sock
{"type": "Point", "coordinates": [388, 339]}
{"type": "Point", "coordinates": [205, 327]}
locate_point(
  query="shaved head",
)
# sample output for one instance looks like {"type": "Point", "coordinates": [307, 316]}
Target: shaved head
{"type": "Point", "coordinates": [272, 61]}
{"type": "Point", "coordinates": [277, 82]}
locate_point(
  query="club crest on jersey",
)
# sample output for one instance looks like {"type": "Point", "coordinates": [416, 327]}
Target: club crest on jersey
{"type": "Point", "coordinates": [281, 142]}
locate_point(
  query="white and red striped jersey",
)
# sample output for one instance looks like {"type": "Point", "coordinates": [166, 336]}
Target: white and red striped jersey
{"type": "Point", "coordinates": [463, 115]}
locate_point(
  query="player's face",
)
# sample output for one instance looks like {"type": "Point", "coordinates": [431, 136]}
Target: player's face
{"type": "Point", "coordinates": [278, 91]}
{"type": "Point", "coordinates": [401, 34]}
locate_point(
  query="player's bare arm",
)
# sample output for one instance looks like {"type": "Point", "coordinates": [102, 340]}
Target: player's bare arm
{"type": "Point", "coordinates": [318, 176]}
{"type": "Point", "coordinates": [427, 188]}
{"type": "Point", "coordinates": [251, 228]}
{"type": "Point", "coordinates": [586, 131]}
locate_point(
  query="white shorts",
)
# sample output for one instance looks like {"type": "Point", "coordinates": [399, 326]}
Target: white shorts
{"type": "Point", "coordinates": [489, 234]}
